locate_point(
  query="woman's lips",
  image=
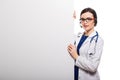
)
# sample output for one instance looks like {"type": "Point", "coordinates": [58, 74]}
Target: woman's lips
{"type": "Point", "coordinates": [86, 26]}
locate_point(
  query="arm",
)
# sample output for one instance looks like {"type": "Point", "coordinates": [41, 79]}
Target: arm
{"type": "Point", "coordinates": [91, 62]}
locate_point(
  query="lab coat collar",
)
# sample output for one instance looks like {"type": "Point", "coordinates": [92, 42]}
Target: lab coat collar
{"type": "Point", "coordinates": [88, 39]}
{"type": "Point", "coordinates": [92, 34]}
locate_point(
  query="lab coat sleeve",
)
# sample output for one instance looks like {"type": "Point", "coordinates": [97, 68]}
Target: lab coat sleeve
{"type": "Point", "coordinates": [91, 62]}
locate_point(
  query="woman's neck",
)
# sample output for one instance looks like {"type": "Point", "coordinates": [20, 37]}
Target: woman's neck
{"type": "Point", "coordinates": [87, 33]}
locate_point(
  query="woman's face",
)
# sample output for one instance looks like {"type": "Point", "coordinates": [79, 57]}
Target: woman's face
{"type": "Point", "coordinates": [87, 21]}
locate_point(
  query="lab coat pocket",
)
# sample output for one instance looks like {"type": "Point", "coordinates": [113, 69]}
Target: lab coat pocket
{"type": "Point", "coordinates": [91, 51]}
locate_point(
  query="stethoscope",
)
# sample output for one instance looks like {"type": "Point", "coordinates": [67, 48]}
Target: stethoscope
{"type": "Point", "coordinates": [94, 37]}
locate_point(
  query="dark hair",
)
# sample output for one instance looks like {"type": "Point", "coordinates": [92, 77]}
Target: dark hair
{"type": "Point", "coordinates": [91, 11]}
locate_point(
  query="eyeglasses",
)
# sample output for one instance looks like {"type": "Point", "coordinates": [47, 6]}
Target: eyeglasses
{"type": "Point", "coordinates": [87, 19]}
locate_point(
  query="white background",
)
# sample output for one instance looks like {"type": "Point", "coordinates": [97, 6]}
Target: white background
{"type": "Point", "coordinates": [108, 27]}
{"type": "Point", "coordinates": [34, 35]}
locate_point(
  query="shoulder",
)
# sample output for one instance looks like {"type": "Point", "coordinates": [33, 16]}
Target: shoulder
{"type": "Point", "coordinates": [79, 34]}
{"type": "Point", "coordinates": [100, 40]}
{"type": "Point", "coordinates": [77, 37]}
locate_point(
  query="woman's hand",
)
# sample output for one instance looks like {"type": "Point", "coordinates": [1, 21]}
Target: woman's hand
{"type": "Point", "coordinates": [72, 51]}
{"type": "Point", "coordinates": [74, 15]}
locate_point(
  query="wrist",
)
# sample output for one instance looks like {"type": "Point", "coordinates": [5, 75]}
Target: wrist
{"type": "Point", "coordinates": [76, 56]}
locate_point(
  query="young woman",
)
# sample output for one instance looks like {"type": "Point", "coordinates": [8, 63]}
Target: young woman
{"type": "Point", "coordinates": [87, 48]}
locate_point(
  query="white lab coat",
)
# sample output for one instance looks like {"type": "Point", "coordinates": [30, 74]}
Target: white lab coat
{"type": "Point", "coordinates": [89, 58]}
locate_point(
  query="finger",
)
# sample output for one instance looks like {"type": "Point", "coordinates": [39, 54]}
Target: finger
{"type": "Point", "coordinates": [69, 51]}
{"type": "Point", "coordinates": [70, 47]}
